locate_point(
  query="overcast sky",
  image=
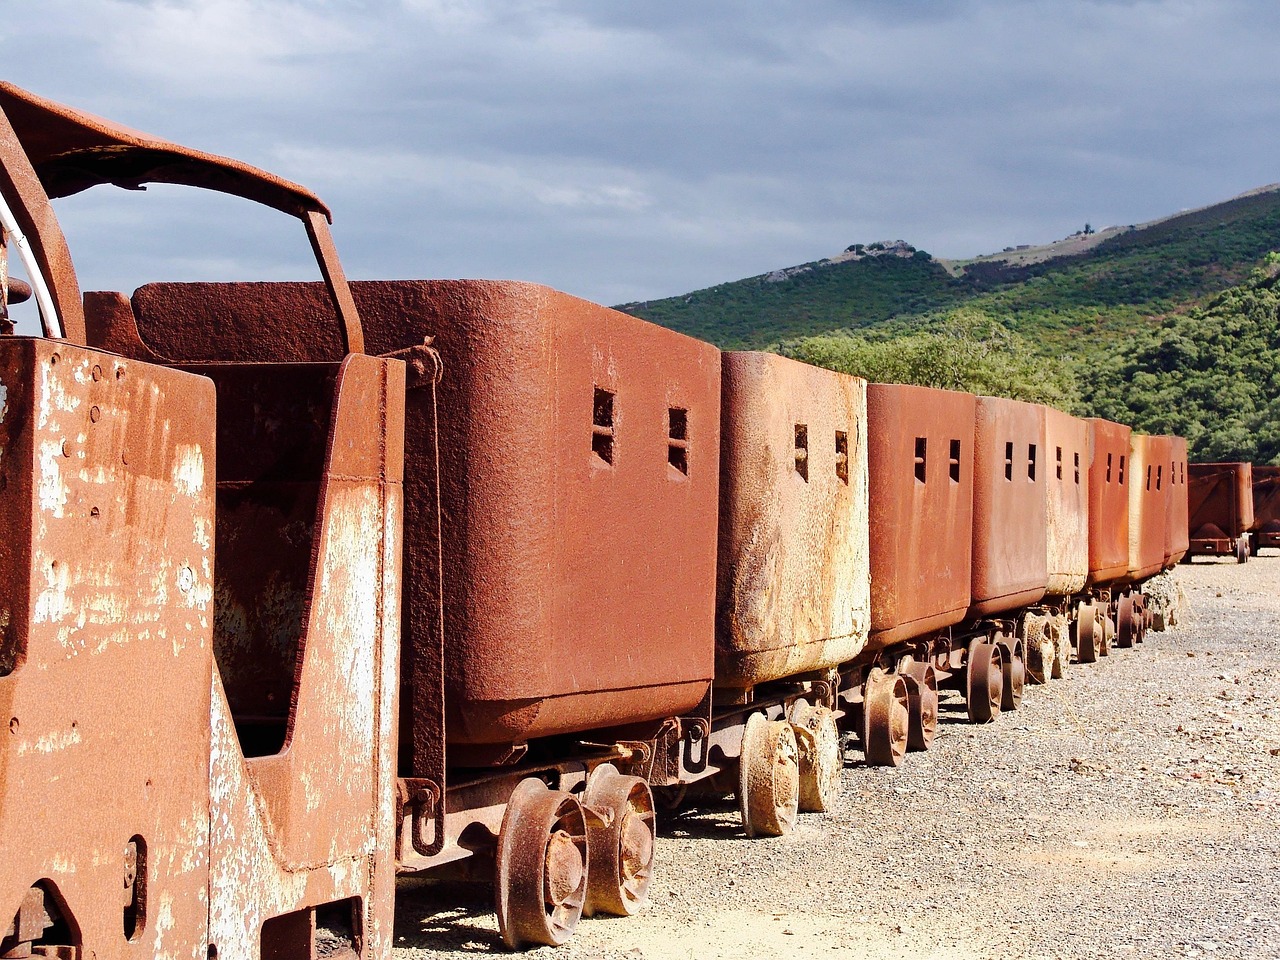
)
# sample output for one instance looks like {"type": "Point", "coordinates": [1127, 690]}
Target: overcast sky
{"type": "Point", "coordinates": [624, 151]}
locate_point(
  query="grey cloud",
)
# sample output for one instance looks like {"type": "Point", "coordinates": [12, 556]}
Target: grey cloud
{"type": "Point", "coordinates": [630, 151]}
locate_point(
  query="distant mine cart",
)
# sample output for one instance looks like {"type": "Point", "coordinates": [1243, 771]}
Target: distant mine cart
{"type": "Point", "coordinates": [1219, 509]}
{"type": "Point", "coordinates": [1265, 531]}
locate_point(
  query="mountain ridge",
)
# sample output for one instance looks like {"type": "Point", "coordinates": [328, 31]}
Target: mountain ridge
{"type": "Point", "coordinates": [1107, 282]}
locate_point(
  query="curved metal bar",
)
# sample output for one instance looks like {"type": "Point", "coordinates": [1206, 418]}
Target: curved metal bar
{"type": "Point", "coordinates": [48, 313]}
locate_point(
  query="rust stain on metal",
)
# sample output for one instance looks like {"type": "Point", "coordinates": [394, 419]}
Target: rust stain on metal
{"type": "Point", "coordinates": [1178, 526]}
{"type": "Point", "coordinates": [1110, 475]}
{"type": "Point", "coordinates": [1148, 504]}
{"type": "Point", "coordinates": [105, 652]}
{"type": "Point", "coordinates": [794, 574]}
{"type": "Point", "coordinates": [1266, 506]}
{"type": "Point", "coordinates": [1219, 506]}
{"type": "Point", "coordinates": [920, 465]}
{"type": "Point", "coordinates": [1009, 506]}
{"type": "Point", "coordinates": [1067, 502]}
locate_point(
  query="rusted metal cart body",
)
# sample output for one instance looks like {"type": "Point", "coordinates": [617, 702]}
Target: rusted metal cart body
{"type": "Point", "coordinates": [1110, 474]}
{"type": "Point", "coordinates": [104, 680]}
{"type": "Point", "coordinates": [578, 498]}
{"type": "Point", "coordinates": [140, 503]}
{"type": "Point", "coordinates": [1266, 506]}
{"type": "Point", "coordinates": [1220, 508]}
{"type": "Point", "coordinates": [1010, 565]}
{"type": "Point", "coordinates": [793, 593]}
{"type": "Point", "coordinates": [1177, 527]}
{"type": "Point", "coordinates": [1067, 506]}
{"type": "Point", "coordinates": [1148, 505]}
{"type": "Point", "coordinates": [920, 457]}
{"type": "Point", "coordinates": [560, 575]}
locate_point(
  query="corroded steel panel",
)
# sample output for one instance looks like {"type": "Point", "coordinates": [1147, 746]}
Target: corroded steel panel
{"type": "Point", "coordinates": [1067, 507]}
{"type": "Point", "coordinates": [1176, 528]}
{"type": "Point", "coordinates": [579, 590]}
{"type": "Point", "coordinates": [1109, 477]}
{"type": "Point", "coordinates": [1148, 504]}
{"type": "Point", "coordinates": [1266, 505]}
{"type": "Point", "coordinates": [313, 822]}
{"type": "Point", "coordinates": [920, 491]}
{"type": "Point", "coordinates": [1219, 500]}
{"type": "Point", "coordinates": [1010, 568]}
{"type": "Point", "coordinates": [580, 490]}
{"type": "Point", "coordinates": [106, 613]}
{"type": "Point", "coordinates": [794, 577]}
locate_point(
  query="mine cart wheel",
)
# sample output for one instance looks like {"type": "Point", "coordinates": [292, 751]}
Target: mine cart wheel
{"type": "Point", "coordinates": [768, 777]}
{"type": "Point", "coordinates": [621, 828]}
{"type": "Point", "coordinates": [1126, 621]}
{"type": "Point", "coordinates": [821, 755]}
{"type": "Point", "coordinates": [1242, 549]}
{"type": "Point", "coordinates": [922, 700]}
{"type": "Point", "coordinates": [886, 719]}
{"type": "Point", "coordinates": [1086, 628]}
{"type": "Point", "coordinates": [1014, 672]}
{"type": "Point", "coordinates": [540, 882]}
{"type": "Point", "coordinates": [984, 681]}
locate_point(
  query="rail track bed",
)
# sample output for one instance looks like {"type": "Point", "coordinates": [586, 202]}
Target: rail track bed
{"type": "Point", "coordinates": [1128, 810]}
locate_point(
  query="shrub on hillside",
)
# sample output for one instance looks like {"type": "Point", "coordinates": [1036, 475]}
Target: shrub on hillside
{"type": "Point", "coordinates": [968, 351]}
{"type": "Point", "coordinates": [1212, 376]}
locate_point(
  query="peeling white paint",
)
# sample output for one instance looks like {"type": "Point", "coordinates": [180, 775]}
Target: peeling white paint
{"type": "Point", "coordinates": [51, 488]}
{"type": "Point", "coordinates": [53, 604]}
{"type": "Point", "coordinates": [188, 469]}
{"type": "Point", "coordinates": [51, 742]}
{"type": "Point", "coordinates": [4, 400]}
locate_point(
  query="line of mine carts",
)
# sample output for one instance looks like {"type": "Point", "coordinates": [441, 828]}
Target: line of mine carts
{"type": "Point", "coordinates": [1233, 509]}
{"type": "Point", "coordinates": [305, 586]}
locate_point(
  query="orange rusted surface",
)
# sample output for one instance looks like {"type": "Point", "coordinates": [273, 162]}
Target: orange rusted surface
{"type": "Point", "coordinates": [1148, 504]}
{"type": "Point", "coordinates": [106, 616]}
{"type": "Point", "coordinates": [608, 564]}
{"type": "Point", "coordinates": [920, 478]}
{"type": "Point", "coordinates": [1176, 528]}
{"type": "Point", "coordinates": [1010, 568]}
{"type": "Point", "coordinates": [306, 637]}
{"type": "Point", "coordinates": [794, 577]}
{"type": "Point", "coordinates": [1110, 474]}
{"type": "Point", "coordinates": [201, 755]}
{"type": "Point", "coordinates": [1067, 504]}
{"type": "Point", "coordinates": [1220, 505]}
{"type": "Point", "coordinates": [1266, 505]}
{"type": "Point", "coordinates": [303, 826]}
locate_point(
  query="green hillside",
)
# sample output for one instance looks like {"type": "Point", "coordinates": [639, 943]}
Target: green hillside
{"type": "Point", "coordinates": [812, 298]}
{"type": "Point", "coordinates": [1124, 283]}
{"type": "Point", "coordinates": [1212, 376]}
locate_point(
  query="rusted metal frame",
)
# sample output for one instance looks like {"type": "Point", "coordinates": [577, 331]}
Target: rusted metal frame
{"type": "Point", "coordinates": [275, 862]}
{"type": "Point", "coordinates": [34, 215]}
{"type": "Point", "coordinates": [421, 795]}
{"type": "Point", "coordinates": [721, 744]}
{"type": "Point", "coordinates": [335, 279]}
{"type": "Point", "coordinates": [121, 514]}
{"type": "Point", "coordinates": [473, 814]}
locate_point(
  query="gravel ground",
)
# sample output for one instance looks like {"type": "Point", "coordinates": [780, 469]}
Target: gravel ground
{"type": "Point", "coordinates": [1130, 810]}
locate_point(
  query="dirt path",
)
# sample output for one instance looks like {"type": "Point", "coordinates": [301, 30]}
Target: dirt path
{"type": "Point", "coordinates": [1131, 810]}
